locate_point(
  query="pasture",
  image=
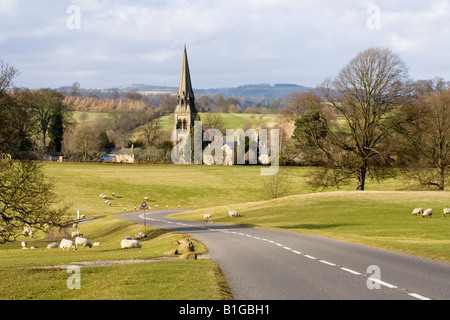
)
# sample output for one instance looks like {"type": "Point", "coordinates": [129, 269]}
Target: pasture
{"type": "Point", "coordinates": [378, 217]}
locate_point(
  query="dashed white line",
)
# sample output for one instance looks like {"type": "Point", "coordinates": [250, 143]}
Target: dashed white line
{"type": "Point", "coordinates": [391, 286]}
{"type": "Point", "coordinates": [388, 285]}
{"type": "Point", "coordinates": [418, 296]}
{"type": "Point", "coordinates": [328, 263]}
{"type": "Point", "coordinates": [351, 271]}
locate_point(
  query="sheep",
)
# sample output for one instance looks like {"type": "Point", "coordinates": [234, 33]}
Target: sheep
{"type": "Point", "coordinates": [26, 231]}
{"type": "Point", "coordinates": [128, 238]}
{"type": "Point", "coordinates": [53, 245]}
{"type": "Point", "coordinates": [24, 245]}
{"type": "Point", "coordinates": [130, 244]}
{"type": "Point", "coordinates": [427, 213]}
{"type": "Point", "coordinates": [103, 196]}
{"type": "Point", "coordinates": [113, 194]}
{"type": "Point", "coordinates": [207, 217]}
{"type": "Point", "coordinates": [83, 217]}
{"type": "Point", "coordinates": [67, 244]}
{"type": "Point", "coordinates": [233, 213]}
{"type": "Point", "coordinates": [140, 235]}
{"type": "Point", "coordinates": [75, 225]}
{"type": "Point", "coordinates": [76, 234]}
{"type": "Point", "coordinates": [417, 212]}
{"type": "Point", "coordinates": [82, 242]}
{"type": "Point", "coordinates": [446, 211]}
{"type": "Point", "coordinates": [108, 203]}
{"type": "Point", "coordinates": [97, 244]}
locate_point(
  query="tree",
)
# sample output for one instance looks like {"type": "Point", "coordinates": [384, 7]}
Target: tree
{"type": "Point", "coordinates": [47, 107]}
{"type": "Point", "coordinates": [359, 117]}
{"type": "Point", "coordinates": [427, 145]}
{"type": "Point", "coordinates": [26, 200]}
{"type": "Point", "coordinates": [7, 74]}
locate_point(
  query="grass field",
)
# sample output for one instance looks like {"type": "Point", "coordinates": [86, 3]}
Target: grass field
{"type": "Point", "coordinates": [378, 217]}
{"type": "Point", "coordinates": [231, 120]}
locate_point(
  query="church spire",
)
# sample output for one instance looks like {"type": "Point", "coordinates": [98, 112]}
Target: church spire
{"type": "Point", "coordinates": [185, 112]}
{"type": "Point", "coordinates": [185, 92]}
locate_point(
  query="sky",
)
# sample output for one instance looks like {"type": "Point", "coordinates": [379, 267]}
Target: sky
{"type": "Point", "coordinates": [110, 43]}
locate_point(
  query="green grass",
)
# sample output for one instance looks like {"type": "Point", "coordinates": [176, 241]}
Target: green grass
{"type": "Point", "coordinates": [42, 273]}
{"type": "Point", "coordinates": [231, 120]}
{"type": "Point", "coordinates": [376, 218]}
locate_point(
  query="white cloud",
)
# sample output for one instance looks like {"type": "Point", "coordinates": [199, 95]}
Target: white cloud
{"type": "Point", "coordinates": [230, 42]}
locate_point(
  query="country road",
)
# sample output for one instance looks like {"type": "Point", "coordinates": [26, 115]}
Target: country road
{"type": "Point", "coordinates": [277, 265]}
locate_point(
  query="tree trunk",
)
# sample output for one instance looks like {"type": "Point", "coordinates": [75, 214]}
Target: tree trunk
{"type": "Point", "coordinates": [361, 178]}
{"type": "Point", "coordinates": [442, 178]}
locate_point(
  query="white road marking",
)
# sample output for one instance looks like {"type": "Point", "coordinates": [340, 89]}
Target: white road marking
{"type": "Point", "coordinates": [351, 271]}
{"type": "Point", "coordinates": [388, 285]}
{"type": "Point", "coordinates": [391, 286]}
{"type": "Point", "coordinates": [328, 263]}
{"type": "Point", "coordinates": [418, 296]}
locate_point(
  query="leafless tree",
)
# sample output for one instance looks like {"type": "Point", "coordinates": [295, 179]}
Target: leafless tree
{"type": "Point", "coordinates": [358, 117]}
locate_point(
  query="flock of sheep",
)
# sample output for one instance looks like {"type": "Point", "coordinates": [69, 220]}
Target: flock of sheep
{"type": "Point", "coordinates": [208, 217]}
{"type": "Point", "coordinates": [428, 212]}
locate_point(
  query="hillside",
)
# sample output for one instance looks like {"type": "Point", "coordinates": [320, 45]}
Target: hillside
{"type": "Point", "coordinates": [246, 91]}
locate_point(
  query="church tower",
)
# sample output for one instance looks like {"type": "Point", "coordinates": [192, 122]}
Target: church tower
{"type": "Point", "coordinates": [185, 112]}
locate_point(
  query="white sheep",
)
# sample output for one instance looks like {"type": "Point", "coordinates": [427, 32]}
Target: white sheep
{"type": "Point", "coordinates": [75, 225]}
{"type": "Point", "coordinates": [108, 203]}
{"type": "Point", "coordinates": [24, 245]}
{"type": "Point", "coordinates": [130, 244]}
{"type": "Point", "coordinates": [427, 213]}
{"type": "Point", "coordinates": [26, 231]}
{"type": "Point", "coordinates": [233, 214]}
{"type": "Point", "coordinates": [97, 244]}
{"type": "Point", "coordinates": [417, 212]}
{"type": "Point", "coordinates": [76, 234]}
{"type": "Point", "coordinates": [82, 242]}
{"type": "Point", "coordinates": [67, 244]}
{"type": "Point", "coordinates": [446, 211]}
{"type": "Point", "coordinates": [140, 235]}
{"type": "Point", "coordinates": [207, 217]}
{"type": "Point", "coordinates": [83, 217]}
{"type": "Point", "coordinates": [53, 245]}
{"type": "Point", "coordinates": [113, 194]}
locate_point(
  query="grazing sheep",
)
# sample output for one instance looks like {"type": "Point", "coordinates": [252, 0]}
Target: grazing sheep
{"type": "Point", "coordinates": [67, 244]}
{"type": "Point", "coordinates": [427, 213]}
{"type": "Point", "coordinates": [417, 212]}
{"type": "Point", "coordinates": [108, 203]}
{"type": "Point", "coordinates": [26, 231]}
{"type": "Point", "coordinates": [446, 211]}
{"type": "Point", "coordinates": [207, 217]}
{"type": "Point", "coordinates": [75, 225]}
{"type": "Point", "coordinates": [76, 234]}
{"type": "Point", "coordinates": [113, 194]}
{"type": "Point", "coordinates": [53, 245]}
{"type": "Point", "coordinates": [140, 235]}
{"type": "Point", "coordinates": [24, 245]}
{"type": "Point", "coordinates": [130, 244]}
{"type": "Point", "coordinates": [82, 242]}
{"type": "Point", "coordinates": [103, 196]}
{"type": "Point", "coordinates": [83, 216]}
{"type": "Point", "coordinates": [97, 244]}
{"type": "Point", "coordinates": [233, 213]}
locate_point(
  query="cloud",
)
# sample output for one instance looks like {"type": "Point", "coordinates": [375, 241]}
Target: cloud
{"type": "Point", "coordinates": [230, 42]}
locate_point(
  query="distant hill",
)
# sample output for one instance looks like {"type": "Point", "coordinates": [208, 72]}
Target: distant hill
{"type": "Point", "coordinates": [248, 91]}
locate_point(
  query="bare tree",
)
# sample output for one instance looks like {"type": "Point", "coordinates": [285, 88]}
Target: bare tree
{"type": "Point", "coordinates": [7, 74]}
{"type": "Point", "coordinates": [26, 200]}
{"type": "Point", "coordinates": [428, 137]}
{"type": "Point", "coordinates": [359, 116]}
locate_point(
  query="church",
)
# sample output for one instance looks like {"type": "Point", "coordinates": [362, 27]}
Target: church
{"type": "Point", "coordinates": [185, 112]}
